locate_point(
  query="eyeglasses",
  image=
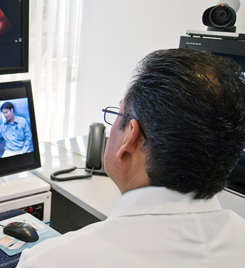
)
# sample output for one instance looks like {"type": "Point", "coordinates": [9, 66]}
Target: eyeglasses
{"type": "Point", "coordinates": [110, 112]}
{"type": "Point", "coordinates": [109, 116]}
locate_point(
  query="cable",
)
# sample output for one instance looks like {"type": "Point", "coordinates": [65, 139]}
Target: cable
{"type": "Point", "coordinates": [54, 175]}
{"type": "Point", "coordinates": [51, 224]}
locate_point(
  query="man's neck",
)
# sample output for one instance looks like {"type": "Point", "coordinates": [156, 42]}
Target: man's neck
{"type": "Point", "coordinates": [11, 121]}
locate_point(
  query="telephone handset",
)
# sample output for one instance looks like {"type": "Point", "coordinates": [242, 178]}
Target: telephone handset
{"type": "Point", "coordinates": [95, 155]}
{"type": "Point", "coordinates": [96, 147]}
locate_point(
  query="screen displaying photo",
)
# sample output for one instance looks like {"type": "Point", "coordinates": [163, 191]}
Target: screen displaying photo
{"type": "Point", "coordinates": [15, 128]}
{"type": "Point", "coordinates": [19, 150]}
{"type": "Point", "coordinates": [14, 36]}
{"type": "Point", "coordinates": [10, 33]}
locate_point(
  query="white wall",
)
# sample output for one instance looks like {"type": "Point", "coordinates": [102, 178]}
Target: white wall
{"type": "Point", "coordinates": [116, 34]}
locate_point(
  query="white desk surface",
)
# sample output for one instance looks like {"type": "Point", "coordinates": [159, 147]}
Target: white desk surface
{"type": "Point", "coordinates": [97, 195]}
{"type": "Point", "coordinates": [20, 185]}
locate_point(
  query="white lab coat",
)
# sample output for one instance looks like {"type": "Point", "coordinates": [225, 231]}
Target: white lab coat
{"type": "Point", "coordinates": [150, 227]}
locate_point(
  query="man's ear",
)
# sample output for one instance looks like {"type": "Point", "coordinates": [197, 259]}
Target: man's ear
{"type": "Point", "coordinates": [131, 139]}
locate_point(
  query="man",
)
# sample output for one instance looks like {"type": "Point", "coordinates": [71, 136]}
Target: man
{"type": "Point", "coordinates": [179, 132]}
{"type": "Point", "coordinates": [15, 132]}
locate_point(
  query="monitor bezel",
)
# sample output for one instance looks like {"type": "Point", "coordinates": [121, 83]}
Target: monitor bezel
{"type": "Point", "coordinates": [228, 47]}
{"type": "Point", "coordinates": [24, 68]}
{"type": "Point", "coordinates": [33, 157]}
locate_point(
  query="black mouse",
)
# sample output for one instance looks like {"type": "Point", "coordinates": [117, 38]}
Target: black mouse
{"type": "Point", "coordinates": [22, 231]}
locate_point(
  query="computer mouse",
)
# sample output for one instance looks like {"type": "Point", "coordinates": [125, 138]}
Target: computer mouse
{"type": "Point", "coordinates": [22, 231]}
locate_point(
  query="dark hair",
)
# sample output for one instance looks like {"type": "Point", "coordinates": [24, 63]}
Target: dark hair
{"type": "Point", "coordinates": [7, 105]}
{"type": "Point", "coordinates": [191, 108]}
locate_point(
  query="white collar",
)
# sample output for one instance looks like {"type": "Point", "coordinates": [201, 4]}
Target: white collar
{"type": "Point", "coordinates": [160, 200]}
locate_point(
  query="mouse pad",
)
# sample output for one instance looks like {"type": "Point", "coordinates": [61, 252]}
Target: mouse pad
{"type": "Point", "coordinates": [12, 246]}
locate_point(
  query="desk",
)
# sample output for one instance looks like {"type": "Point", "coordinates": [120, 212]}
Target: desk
{"type": "Point", "coordinates": [96, 195]}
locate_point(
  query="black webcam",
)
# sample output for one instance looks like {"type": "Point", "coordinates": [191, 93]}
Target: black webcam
{"type": "Point", "coordinates": [221, 17]}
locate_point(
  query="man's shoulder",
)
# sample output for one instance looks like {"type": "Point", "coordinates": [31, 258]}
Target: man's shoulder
{"type": "Point", "coordinates": [19, 119]}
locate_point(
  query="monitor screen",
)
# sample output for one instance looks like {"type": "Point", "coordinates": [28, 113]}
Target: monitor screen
{"type": "Point", "coordinates": [19, 149]}
{"type": "Point", "coordinates": [236, 50]}
{"type": "Point", "coordinates": [14, 33]}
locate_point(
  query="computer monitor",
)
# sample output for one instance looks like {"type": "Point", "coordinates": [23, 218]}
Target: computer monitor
{"type": "Point", "coordinates": [231, 48]}
{"type": "Point", "coordinates": [14, 33]}
{"type": "Point", "coordinates": [234, 49]}
{"type": "Point", "coordinates": [19, 150]}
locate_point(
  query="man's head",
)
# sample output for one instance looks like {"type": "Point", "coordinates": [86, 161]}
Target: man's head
{"type": "Point", "coordinates": [190, 107]}
{"type": "Point", "coordinates": [8, 110]}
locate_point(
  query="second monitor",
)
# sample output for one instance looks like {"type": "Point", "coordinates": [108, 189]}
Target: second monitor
{"type": "Point", "coordinates": [19, 150]}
